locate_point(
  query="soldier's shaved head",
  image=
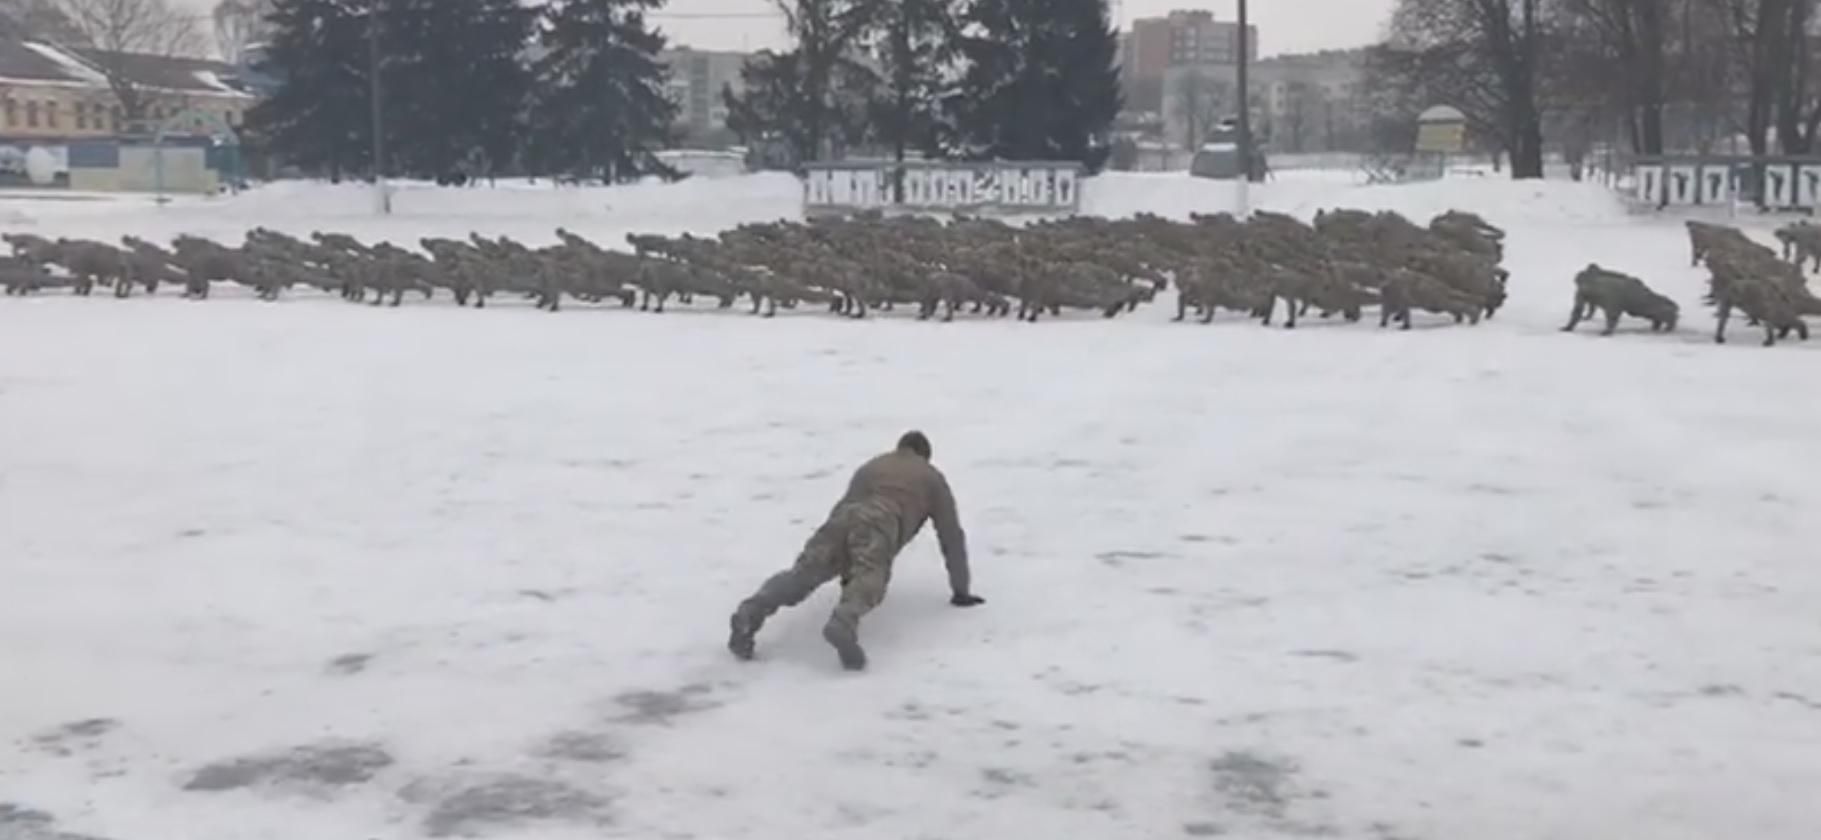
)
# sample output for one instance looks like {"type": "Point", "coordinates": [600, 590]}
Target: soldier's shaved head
{"type": "Point", "coordinates": [915, 442]}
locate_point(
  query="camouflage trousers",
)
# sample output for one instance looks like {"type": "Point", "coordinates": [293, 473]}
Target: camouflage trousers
{"type": "Point", "coordinates": [856, 545]}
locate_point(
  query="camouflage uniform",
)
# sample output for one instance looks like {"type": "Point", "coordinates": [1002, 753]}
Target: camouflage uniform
{"type": "Point", "coordinates": [886, 504]}
{"type": "Point", "coordinates": [856, 544]}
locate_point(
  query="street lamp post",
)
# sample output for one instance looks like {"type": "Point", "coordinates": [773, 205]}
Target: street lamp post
{"type": "Point", "coordinates": [383, 198]}
{"type": "Point", "coordinates": [1245, 113]}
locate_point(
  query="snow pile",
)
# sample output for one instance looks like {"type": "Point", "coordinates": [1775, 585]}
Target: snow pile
{"type": "Point", "coordinates": [318, 570]}
{"type": "Point", "coordinates": [528, 212]}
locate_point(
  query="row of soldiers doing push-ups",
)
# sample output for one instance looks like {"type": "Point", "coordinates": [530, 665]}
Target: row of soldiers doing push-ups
{"type": "Point", "coordinates": [1343, 262]}
{"type": "Point", "coordinates": [852, 266]}
{"type": "Point", "coordinates": [1771, 289]}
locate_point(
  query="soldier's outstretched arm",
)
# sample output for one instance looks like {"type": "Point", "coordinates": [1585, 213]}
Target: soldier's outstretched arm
{"type": "Point", "coordinates": [953, 541]}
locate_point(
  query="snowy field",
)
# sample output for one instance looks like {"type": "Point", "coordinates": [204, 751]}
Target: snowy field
{"type": "Point", "coordinates": [319, 571]}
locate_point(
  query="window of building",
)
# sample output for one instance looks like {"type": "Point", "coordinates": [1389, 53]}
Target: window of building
{"type": "Point", "coordinates": [31, 114]}
{"type": "Point", "coordinates": [114, 118]}
{"type": "Point", "coordinates": [82, 116]}
{"type": "Point", "coordinates": [12, 113]}
{"type": "Point", "coordinates": [50, 114]}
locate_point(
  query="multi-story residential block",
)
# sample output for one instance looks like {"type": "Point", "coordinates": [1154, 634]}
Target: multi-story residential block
{"type": "Point", "coordinates": [1183, 38]}
{"type": "Point", "coordinates": [1310, 102]}
{"type": "Point", "coordinates": [697, 78]}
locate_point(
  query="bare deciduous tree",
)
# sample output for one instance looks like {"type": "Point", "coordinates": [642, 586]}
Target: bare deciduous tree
{"type": "Point", "coordinates": [1484, 57]}
{"type": "Point", "coordinates": [1701, 74]}
{"type": "Point", "coordinates": [828, 34]}
{"type": "Point", "coordinates": [1303, 110]}
{"type": "Point", "coordinates": [913, 41]}
{"type": "Point", "coordinates": [1196, 101]}
{"type": "Point", "coordinates": [1798, 112]}
{"type": "Point", "coordinates": [238, 25]}
{"type": "Point", "coordinates": [1625, 45]}
{"type": "Point", "coordinates": [34, 19]}
{"type": "Point", "coordinates": [119, 32]}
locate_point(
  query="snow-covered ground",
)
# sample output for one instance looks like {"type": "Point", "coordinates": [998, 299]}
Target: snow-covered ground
{"type": "Point", "coordinates": [312, 570]}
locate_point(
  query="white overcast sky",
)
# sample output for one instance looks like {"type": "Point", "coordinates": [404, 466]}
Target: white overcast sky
{"type": "Point", "coordinates": [1283, 25]}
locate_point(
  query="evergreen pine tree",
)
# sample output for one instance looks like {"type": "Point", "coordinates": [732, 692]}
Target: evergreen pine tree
{"type": "Point", "coordinates": [915, 43]}
{"type": "Point", "coordinates": [779, 105]}
{"type": "Point", "coordinates": [317, 119]}
{"type": "Point", "coordinates": [456, 82]}
{"type": "Point", "coordinates": [601, 107]}
{"type": "Point", "coordinates": [816, 94]}
{"type": "Point", "coordinates": [762, 115]}
{"type": "Point", "coordinates": [1040, 82]}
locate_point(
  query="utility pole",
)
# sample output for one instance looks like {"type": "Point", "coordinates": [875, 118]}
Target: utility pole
{"type": "Point", "coordinates": [1245, 113]}
{"type": "Point", "coordinates": [383, 198]}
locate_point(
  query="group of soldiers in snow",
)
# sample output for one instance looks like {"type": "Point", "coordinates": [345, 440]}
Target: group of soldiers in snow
{"type": "Point", "coordinates": [1343, 262]}
{"type": "Point", "coordinates": [1770, 288]}
{"type": "Point", "coordinates": [1346, 261]}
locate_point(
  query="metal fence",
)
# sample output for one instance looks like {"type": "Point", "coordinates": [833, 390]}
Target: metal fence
{"type": "Point", "coordinates": [990, 188]}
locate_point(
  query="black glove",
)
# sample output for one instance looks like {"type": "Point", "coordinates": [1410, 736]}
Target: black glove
{"type": "Point", "coordinates": [963, 600]}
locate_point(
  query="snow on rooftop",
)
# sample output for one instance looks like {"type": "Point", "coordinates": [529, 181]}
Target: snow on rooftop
{"type": "Point", "coordinates": [213, 80]}
{"type": "Point", "coordinates": [75, 67]}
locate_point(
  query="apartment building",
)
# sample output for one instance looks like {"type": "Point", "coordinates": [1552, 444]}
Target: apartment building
{"type": "Point", "coordinates": [697, 78]}
{"type": "Point", "coordinates": [1310, 102]}
{"type": "Point", "coordinates": [1183, 38]}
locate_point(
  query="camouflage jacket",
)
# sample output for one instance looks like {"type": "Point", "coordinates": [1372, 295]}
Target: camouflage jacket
{"type": "Point", "coordinates": [916, 491]}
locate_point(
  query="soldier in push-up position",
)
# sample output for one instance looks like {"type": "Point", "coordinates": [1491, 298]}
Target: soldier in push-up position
{"type": "Point", "coordinates": [886, 504]}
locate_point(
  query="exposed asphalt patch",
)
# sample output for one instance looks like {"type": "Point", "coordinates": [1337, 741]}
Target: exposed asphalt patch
{"type": "Point", "coordinates": [475, 807]}
{"type": "Point", "coordinates": [312, 767]}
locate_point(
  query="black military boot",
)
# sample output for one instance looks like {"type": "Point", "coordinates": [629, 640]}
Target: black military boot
{"type": "Point", "coordinates": [846, 643]}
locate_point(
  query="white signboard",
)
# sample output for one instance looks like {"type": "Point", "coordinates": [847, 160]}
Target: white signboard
{"type": "Point", "coordinates": [1779, 187]}
{"type": "Point", "coordinates": [1650, 185]}
{"type": "Point", "coordinates": [1682, 185]}
{"type": "Point", "coordinates": [1448, 137]}
{"type": "Point", "coordinates": [1787, 184]}
{"type": "Point", "coordinates": [1007, 187]}
{"type": "Point", "coordinates": [1713, 185]}
{"type": "Point", "coordinates": [1808, 185]}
